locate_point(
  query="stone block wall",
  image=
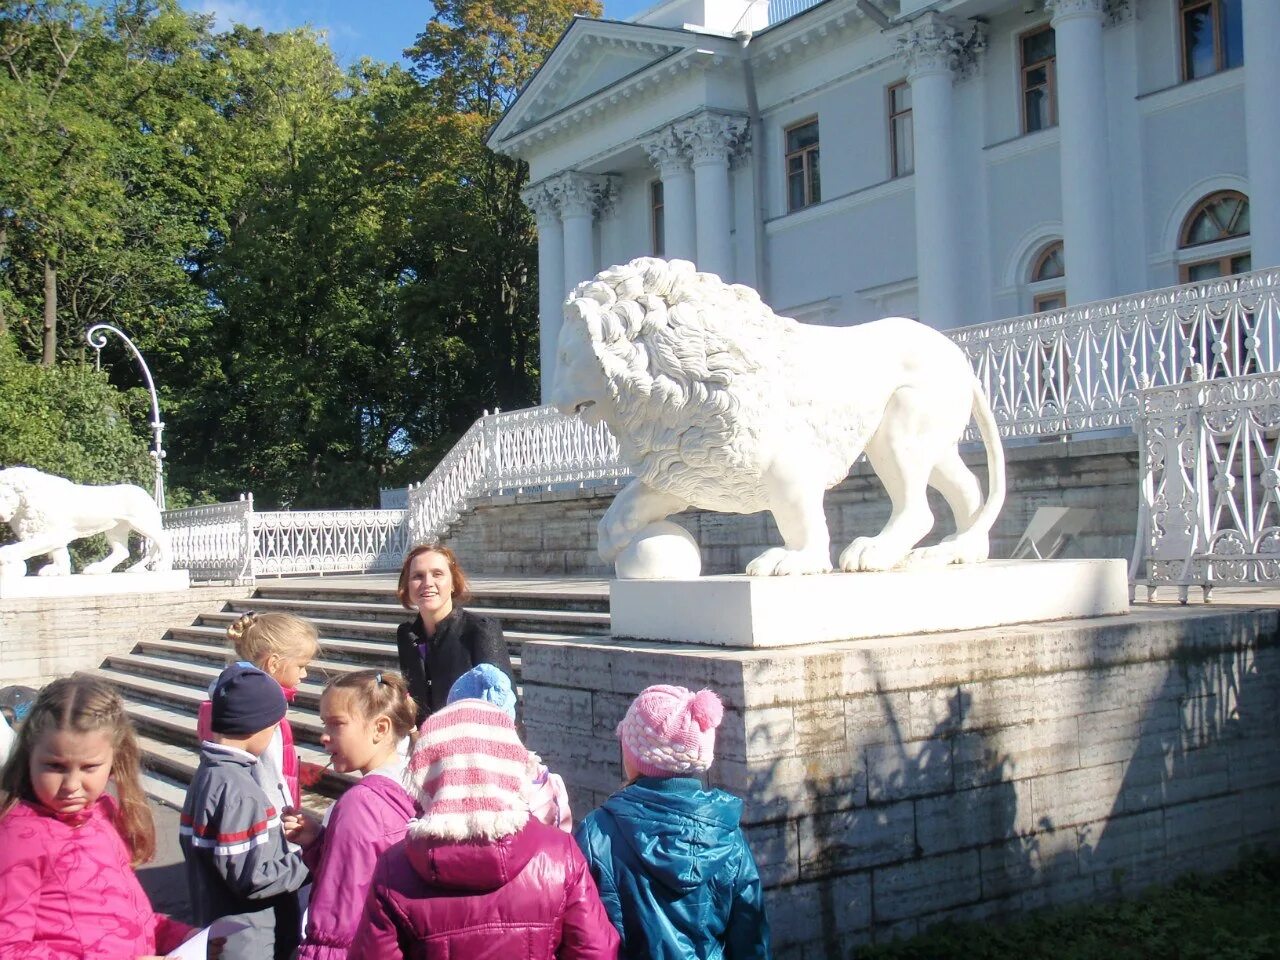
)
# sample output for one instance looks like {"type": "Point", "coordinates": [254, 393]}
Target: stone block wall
{"type": "Point", "coordinates": [892, 784]}
{"type": "Point", "coordinates": [43, 639]}
{"type": "Point", "coordinates": [537, 534]}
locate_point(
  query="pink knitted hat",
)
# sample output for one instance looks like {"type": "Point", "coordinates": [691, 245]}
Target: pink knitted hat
{"type": "Point", "coordinates": [470, 773]}
{"type": "Point", "coordinates": [670, 730]}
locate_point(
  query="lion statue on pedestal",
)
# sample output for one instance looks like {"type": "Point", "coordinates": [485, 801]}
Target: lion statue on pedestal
{"type": "Point", "coordinates": [47, 512]}
{"type": "Point", "coordinates": [720, 404]}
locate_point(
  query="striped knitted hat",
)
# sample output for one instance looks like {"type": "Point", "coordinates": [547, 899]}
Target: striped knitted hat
{"type": "Point", "coordinates": [669, 730]}
{"type": "Point", "coordinates": [470, 773]}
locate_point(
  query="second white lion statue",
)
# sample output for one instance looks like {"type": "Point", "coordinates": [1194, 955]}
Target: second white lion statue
{"type": "Point", "coordinates": [718, 403]}
{"type": "Point", "coordinates": [47, 512]}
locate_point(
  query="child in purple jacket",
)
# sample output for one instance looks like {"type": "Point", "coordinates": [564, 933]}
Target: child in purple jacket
{"type": "Point", "coordinates": [366, 715]}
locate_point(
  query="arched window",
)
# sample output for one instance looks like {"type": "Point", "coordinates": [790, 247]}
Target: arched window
{"type": "Point", "coordinates": [1214, 242]}
{"type": "Point", "coordinates": [1217, 223]}
{"type": "Point", "coordinates": [1048, 271]}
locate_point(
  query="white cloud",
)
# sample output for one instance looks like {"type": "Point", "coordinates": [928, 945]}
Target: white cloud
{"type": "Point", "coordinates": [228, 12]}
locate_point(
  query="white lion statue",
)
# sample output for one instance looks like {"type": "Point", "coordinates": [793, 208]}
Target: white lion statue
{"type": "Point", "coordinates": [48, 512]}
{"type": "Point", "coordinates": [718, 403]}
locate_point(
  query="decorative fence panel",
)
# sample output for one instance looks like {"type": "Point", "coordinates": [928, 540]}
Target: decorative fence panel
{"type": "Point", "coordinates": [1210, 484]}
{"type": "Point", "coordinates": [328, 541]}
{"type": "Point", "coordinates": [1084, 368]}
{"type": "Point", "coordinates": [213, 542]}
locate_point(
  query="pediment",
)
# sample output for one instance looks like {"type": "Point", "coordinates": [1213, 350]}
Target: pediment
{"type": "Point", "coordinates": [591, 56]}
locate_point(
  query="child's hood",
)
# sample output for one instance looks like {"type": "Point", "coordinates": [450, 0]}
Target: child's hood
{"type": "Point", "coordinates": [684, 836]}
{"type": "Point", "coordinates": [473, 866]}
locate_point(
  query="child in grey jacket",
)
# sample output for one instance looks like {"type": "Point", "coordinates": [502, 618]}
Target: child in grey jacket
{"type": "Point", "coordinates": [238, 865]}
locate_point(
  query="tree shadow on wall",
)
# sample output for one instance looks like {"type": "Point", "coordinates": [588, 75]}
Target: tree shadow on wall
{"type": "Point", "coordinates": [939, 827]}
{"type": "Point", "coordinates": [1202, 783]}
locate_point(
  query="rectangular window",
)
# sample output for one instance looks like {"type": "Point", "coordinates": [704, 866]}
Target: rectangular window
{"type": "Point", "coordinates": [902, 147]}
{"type": "Point", "coordinates": [1039, 83]}
{"type": "Point", "coordinates": [657, 223]}
{"type": "Point", "coordinates": [804, 181]}
{"type": "Point", "coordinates": [1049, 301]}
{"type": "Point", "coordinates": [1212, 37]}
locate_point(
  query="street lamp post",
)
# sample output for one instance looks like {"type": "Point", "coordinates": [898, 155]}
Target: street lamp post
{"type": "Point", "coordinates": [96, 335]}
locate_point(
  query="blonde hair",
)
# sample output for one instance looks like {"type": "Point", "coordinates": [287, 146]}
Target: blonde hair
{"type": "Point", "coordinates": [256, 636]}
{"type": "Point", "coordinates": [378, 694]}
{"type": "Point", "coordinates": [85, 705]}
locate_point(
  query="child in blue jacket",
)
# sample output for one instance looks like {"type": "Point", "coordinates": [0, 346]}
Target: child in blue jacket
{"type": "Point", "coordinates": [670, 859]}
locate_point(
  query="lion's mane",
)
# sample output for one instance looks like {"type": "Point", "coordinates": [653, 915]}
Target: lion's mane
{"type": "Point", "coordinates": [691, 366]}
{"type": "Point", "coordinates": [26, 500]}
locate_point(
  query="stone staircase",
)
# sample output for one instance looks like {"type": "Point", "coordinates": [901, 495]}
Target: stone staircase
{"type": "Point", "coordinates": [163, 681]}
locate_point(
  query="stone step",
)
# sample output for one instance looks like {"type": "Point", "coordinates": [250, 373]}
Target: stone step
{"type": "Point", "coordinates": [565, 622]}
{"type": "Point", "coordinates": [164, 680]}
{"type": "Point", "coordinates": [552, 595]}
{"type": "Point", "coordinates": [209, 644]}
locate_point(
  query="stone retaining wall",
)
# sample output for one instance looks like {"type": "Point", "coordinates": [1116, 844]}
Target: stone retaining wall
{"type": "Point", "coordinates": [44, 639]}
{"type": "Point", "coordinates": [535, 534]}
{"type": "Point", "coordinates": [892, 784]}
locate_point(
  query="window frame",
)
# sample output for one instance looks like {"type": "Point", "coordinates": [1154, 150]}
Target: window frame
{"type": "Point", "coordinates": [805, 153]}
{"type": "Point", "coordinates": [1219, 39]}
{"type": "Point", "coordinates": [894, 172]}
{"type": "Point", "coordinates": [657, 217]}
{"type": "Point", "coordinates": [1049, 287]}
{"type": "Point", "coordinates": [1051, 78]}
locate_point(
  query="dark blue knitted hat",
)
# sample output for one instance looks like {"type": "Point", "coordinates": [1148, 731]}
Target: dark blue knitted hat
{"type": "Point", "coordinates": [246, 700]}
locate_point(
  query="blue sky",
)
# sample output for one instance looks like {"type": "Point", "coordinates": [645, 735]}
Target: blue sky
{"type": "Point", "coordinates": [377, 28]}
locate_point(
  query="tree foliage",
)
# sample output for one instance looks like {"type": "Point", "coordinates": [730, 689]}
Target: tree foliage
{"type": "Point", "coordinates": [329, 273]}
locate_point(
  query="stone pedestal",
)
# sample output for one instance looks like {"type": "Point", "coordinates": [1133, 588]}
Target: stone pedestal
{"type": "Point", "coordinates": [892, 783]}
{"type": "Point", "coordinates": [103, 585]}
{"type": "Point", "coordinates": [742, 611]}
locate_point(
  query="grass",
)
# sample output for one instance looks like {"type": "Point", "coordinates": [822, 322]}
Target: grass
{"type": "Point", "coordinates": [1229, 916]}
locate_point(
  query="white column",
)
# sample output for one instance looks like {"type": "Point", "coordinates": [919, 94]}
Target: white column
{"type": "Point", "coordinates": [544, 200]}
{"type": "Point", "coordinates": [577, 214]}
{"type": "Point", "coordinates": [711, 138]}
{"type": "Point", "coordinates": [1082, 132]}
{"type": "Point", "coordinates": [1262, 128]}
{"type": "Point", "coordinates": [667, 152]}
{"type": "Point", "coordinates": [933, 48]}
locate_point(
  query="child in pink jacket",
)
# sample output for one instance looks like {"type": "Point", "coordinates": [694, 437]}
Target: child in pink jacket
{"type": "Point", "coordinates": [68, 848]}
{"type": "Point", "coordinates": [366, 716]}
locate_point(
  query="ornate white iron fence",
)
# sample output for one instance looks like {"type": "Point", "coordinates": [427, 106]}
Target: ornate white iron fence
{"type": "Point", "coordinates": [213, 542]}
{"type": "Point", "coordinates": [537, 447]}
{"type": "Point", "coordinates": [229, 541]}
{"type": "Point", "coordinates": [1209, 477]}
{"type": "Point", "coordinates": [328, 541]}
{"type": "Point", "coordinates": [1083, 368]}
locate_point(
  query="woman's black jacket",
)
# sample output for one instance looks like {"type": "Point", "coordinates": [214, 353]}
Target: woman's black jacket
{"type": "Point", "coordinates": [431, 665]}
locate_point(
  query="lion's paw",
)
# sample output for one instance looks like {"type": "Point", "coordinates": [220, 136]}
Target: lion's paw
{"type": "Point", "coordinates": [12, 570]}
{"type": "Point", "coordinates": [965, 548]}
{"type": "Point", "coordinates": [781, 562]}
{"type": "Point", "coordinates": [52, 570]}
{"type": "Point", "coordinates": [870, 553]}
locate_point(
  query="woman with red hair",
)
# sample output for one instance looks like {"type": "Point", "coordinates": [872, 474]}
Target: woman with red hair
{"type": "Point", "coordinates": [444, 640]}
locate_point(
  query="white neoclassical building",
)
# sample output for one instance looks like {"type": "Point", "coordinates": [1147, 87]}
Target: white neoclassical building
{"type": "Point", "coordinates": [955, 160]}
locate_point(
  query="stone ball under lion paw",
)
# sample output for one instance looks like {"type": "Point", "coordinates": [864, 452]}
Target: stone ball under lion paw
{"type": "Point", "coordinates": [660, 551]}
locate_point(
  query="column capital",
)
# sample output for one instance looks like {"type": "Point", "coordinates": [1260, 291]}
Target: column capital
{"type": "Point", "coordinates": [935, 43]}
{"type": "Point", "coordinates": [711, 137]}
{"type": "Point", "coordinates": [584, 194]}
{"type": "Point", "coordinates": [667, 151]}
{"type": "Point", "coordinates": [543, 198]}
{"type": "Point", "coordinates": [1070, 9]}
{"type": "Point", "coordinates": [1111, 11]}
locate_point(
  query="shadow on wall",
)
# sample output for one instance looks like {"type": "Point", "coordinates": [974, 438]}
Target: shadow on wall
{"type": "Point", "coordinates": [1203, 784]}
